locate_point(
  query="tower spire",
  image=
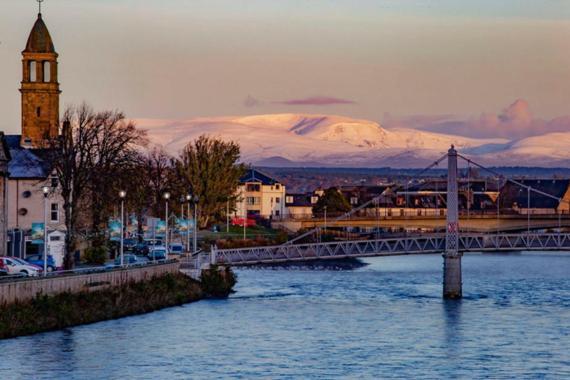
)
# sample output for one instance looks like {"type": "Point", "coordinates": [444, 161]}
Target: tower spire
{"type": "Point", "coordinates": [39, 87]}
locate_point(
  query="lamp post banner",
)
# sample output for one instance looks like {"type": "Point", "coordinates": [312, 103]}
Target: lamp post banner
{"type": "Point", "coordinates": [133, 225]}
{"type": "Point", "coordinates": [114, 228]}
{"type": "Point", "coordinates": [38, 233]}
{"type": "Point", "coordinates": [160, 228]}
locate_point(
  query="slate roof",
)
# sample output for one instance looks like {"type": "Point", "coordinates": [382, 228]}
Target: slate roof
{"type": "Point", "coordinates": [299, 200]}
{"type": "Point", "coordinates": [512, 193]}
{"type": "Point", "coordinates": [365, 193]}
{"type": "Point", "coordinates": [39, 40]}
{"type": "Point", "coordinates": [254, 175]}
{"type": "Point", "coordinates": [477, 185]}
{"type": "Point", "coordinates": [27, 163]}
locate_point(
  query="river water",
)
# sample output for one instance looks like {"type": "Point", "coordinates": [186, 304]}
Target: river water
{"type": "Point", "coordinates": [386, 320]}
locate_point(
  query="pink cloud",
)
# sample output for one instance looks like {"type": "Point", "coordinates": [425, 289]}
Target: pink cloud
{"type": "Point", "coordinates": [315, 101]}
{"type": "Point", "coordinates": [515, 121]}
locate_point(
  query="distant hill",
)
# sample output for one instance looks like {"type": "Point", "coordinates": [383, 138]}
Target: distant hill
{"type": "Point", "coordinates": [298, 140]}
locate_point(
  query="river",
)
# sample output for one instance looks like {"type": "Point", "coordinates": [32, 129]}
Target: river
{"type": "Point", "coordinates": [385, 320]}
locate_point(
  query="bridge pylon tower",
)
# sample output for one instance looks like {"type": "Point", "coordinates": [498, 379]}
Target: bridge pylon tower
{"type": "Point", "coordinates": [452, 282]}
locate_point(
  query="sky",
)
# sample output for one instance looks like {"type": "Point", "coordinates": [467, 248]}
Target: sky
{"type": "Point", "coordinates": [391, 61]}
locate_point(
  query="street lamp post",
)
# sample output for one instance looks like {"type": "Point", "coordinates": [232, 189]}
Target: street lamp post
{"type": "Point", "coordinates": [45, 190]}
{"type": "Point", "coordinates": [195, 247]}
{"type": "Point", "coordinates": [166, 198]}
{"type": "Point", "coordinates": [188, 199]}
{"type": "Point", "coordinates": [122, 195]}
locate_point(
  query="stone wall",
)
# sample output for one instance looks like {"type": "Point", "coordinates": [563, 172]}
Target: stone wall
{"type": "Point", "coordinates": [26, 289]}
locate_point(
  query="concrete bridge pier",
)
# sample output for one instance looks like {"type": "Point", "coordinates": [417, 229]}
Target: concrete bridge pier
{"type": "Point", "coordinates": [452, 284]}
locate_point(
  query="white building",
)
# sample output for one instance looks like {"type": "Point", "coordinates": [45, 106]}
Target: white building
{"type": "Point", "coordinates": [260, 195]}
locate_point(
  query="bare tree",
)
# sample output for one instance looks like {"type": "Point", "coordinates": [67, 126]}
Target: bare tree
{"type": "Point", "coordinates": [88, 158]}
{"type": "Point", "coordinates": [116, 142]}
{"type": "Point", "coordinates": [145, 181]}
{"type": "Point", "coordinates": [73, 151]}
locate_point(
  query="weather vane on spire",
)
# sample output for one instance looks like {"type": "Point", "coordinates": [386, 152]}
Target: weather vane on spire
{"type": "Point", "coordinates": [40, 5]}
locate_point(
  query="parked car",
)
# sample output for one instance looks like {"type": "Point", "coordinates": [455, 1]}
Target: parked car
{"type": "Point", "coordinates": [127, 260]}
{"type": "Point", "coordinates": [130, 244]}
{"type": "Point", "coordinates": [157, 253]}
{"type": "Point", "coordinates": [16, 266]}
{"type": "Point", "coordinates": [141, 249]}
{"type": "Point", "coordinates": [176, 248]}
{"type": "Point", "coordinates": [39, 261]}
{"type": "Point", "coordinates": [153, 242]}
{"type": "Point", "coordinates": [3, 272]}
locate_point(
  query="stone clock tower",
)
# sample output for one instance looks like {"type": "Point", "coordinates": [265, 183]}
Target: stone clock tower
{"type": "Point", "coordinates": [40, 88]}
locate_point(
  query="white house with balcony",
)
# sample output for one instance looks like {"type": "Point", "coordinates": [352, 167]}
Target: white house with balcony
{"type": "Point", "coordinates": [260, 195]}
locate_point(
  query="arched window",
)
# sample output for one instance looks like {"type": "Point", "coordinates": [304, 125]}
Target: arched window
{"type": "Point", "coordinates": [47, 71]}
{"type": "Point", "coordinates": [33, 72]}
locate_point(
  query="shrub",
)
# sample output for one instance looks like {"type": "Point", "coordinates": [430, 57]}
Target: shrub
{"type": "Point", "coordinates": [96, 255]}
{"type": "Point", "coordinates": [218, 282]}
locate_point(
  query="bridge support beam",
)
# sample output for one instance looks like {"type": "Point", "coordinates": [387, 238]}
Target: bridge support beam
{"type": "Point", "coordinates": [452, 282]}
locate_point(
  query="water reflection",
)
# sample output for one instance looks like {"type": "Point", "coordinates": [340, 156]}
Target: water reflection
{"type": "Point", "coordinates": [385, 320]}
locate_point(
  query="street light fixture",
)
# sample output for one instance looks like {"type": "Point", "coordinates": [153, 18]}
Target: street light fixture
{"type": "Point", "coordinates": [166, 198]}
{"type": "Point", "coordinates": [188, 199]}
{"type": "Point", "coordinates": [195, 235]}
{"type": "Point", "coordinates": [45, 191]}
{"type": "Point", "coordinates": [122, 195]}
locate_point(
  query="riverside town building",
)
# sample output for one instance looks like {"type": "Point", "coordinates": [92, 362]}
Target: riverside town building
{"type": "Point", "coordinates": [28, 167]}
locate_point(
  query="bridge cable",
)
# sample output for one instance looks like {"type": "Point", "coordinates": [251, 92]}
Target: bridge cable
{"type": "Point", "coordinates": [498, 203]}
{"type": "Point", "coordinates": [518, 183]}
{"type": "Point", "coordinates": [364, 205]}
{"type": "Point", "coordinates": [528, 210]}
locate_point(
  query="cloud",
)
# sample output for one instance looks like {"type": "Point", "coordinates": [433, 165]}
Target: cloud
{"type": "Point", "coordinates": [513, 122]}
{"type": "Point", "coordinates": [315, 101]}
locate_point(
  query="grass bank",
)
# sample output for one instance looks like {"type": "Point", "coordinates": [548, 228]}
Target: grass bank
{"type": "Point", "coordinates": [45, 313]}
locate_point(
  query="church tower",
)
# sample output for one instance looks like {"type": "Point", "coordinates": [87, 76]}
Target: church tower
{"type": "Point", "coordinates": [40, 88]}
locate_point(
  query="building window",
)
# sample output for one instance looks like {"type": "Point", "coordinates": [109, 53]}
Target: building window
{"type": "Point", "coordinates": [54, 181]}
{"type": "Point", "coordinates": [252, 187]}
{"type": "Point", "coordinates": [314, 200]}
{"type": "Point", "coordinates": [39, 111]}
{"type": "Point", "coordinates": [33, 71]}
{"type": "Point", "coordinates": [23, 212]}
{"type": "Point", "coordinates": [277, 200]}
{"type": "Point", "coordinates": [27, 194]}
{"type": "Point", "coordinates": [54, 214]}
{"type": "Point", "coordinates": [47, 71]}
{"type": "Point", "coordinates": [288, 199]}
{"type": "Point", "coordinates": [277, 187]}
{"type": "Point", "coordinates": [276, 212]}
{"type": "Point", "coordinates": [353, 200]}
{"type": "Point", "coordinates": [252, 201]}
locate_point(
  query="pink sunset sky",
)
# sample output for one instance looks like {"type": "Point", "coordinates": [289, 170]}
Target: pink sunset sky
{"type": "Point", "coordinates": [474, 68]}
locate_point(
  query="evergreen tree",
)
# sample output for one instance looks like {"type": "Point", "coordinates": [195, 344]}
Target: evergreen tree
{"type": "Point", "coordinates": [334, 201]}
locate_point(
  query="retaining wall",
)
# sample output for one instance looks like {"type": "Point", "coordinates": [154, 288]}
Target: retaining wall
{"type": "Point", "coordinates": [26, 289]}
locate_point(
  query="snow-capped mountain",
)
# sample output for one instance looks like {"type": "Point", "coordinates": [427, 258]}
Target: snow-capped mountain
{"type": "Point", "coordinates": [325, 140]}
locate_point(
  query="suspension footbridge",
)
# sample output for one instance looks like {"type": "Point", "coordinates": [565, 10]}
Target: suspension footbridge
{"type": "Point", "coordinates": [452, 244]}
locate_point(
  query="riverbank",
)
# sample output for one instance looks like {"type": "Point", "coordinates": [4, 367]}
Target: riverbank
{"type": "Point", "coordinates": [54, 312]}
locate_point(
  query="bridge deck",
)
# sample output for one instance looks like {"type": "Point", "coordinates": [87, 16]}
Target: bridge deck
{"type": "Point", "coordinates": [421, 244]}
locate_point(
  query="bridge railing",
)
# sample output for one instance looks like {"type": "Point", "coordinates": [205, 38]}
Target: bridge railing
{"type": "Point", "coordinates": [420, 244]}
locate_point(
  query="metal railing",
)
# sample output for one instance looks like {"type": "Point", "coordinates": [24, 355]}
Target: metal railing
{"type": "Point", "coordinates": [83, 270]}
{"type": "Point", "coordinates": [420, 244]}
